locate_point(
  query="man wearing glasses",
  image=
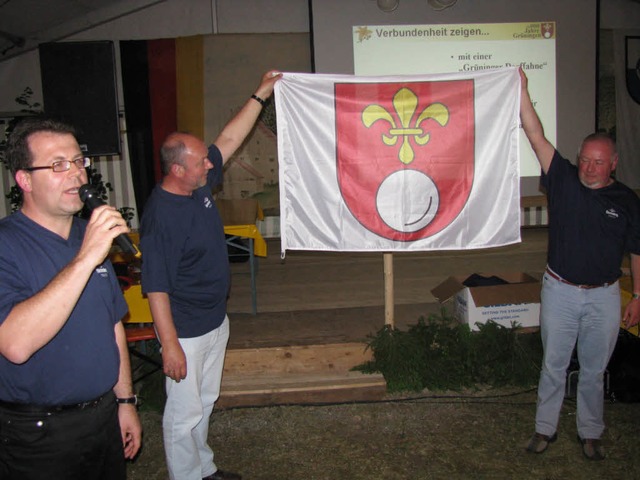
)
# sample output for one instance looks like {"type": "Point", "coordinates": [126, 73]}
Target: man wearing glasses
{"type": "Point", "coordinates": [67, 406]}
{"type": "Point", "coordinates": [594, 220]}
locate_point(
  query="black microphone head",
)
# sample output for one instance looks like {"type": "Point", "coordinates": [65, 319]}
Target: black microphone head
{"type": "Point", "coordinates": [89, 195]}
{"type": "Point", "coordinates": [85, 191]}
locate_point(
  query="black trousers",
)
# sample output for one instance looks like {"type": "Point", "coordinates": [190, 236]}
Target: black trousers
{"type": "Point", "coordinates": [72, 444]}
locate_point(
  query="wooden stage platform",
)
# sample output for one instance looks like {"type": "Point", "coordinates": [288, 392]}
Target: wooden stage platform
{"type": "Point", "coordinates": [315, 311]}
{"type": "Point", "coordinates": [312, 297]}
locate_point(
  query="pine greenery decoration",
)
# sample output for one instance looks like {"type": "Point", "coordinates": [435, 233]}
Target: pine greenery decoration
{"type": "Point", "coordinates": [442, 354]}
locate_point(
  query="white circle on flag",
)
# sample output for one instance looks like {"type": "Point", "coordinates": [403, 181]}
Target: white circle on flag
{"type": "Point", "coordinates": [407, 200]}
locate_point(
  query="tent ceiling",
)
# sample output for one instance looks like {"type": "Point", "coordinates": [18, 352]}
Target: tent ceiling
{"type": "Point", "coordinates": [26, 23]}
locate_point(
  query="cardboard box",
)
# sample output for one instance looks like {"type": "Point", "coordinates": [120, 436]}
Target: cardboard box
{"type": "Point", "coordinates": [516, 301]}
{"type": "Point", "coordinates": [239, 211]}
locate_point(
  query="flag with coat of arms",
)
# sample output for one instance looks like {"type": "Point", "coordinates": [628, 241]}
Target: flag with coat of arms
{"type": "Point", "coordinates": [398, 163]}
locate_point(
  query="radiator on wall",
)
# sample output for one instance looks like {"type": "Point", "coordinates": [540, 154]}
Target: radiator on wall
{"type": "Point", "coordinates": [534, 216]}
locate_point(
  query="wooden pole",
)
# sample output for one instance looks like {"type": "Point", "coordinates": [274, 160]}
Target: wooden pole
{"type": "Point", "coordinates": [388, 289]}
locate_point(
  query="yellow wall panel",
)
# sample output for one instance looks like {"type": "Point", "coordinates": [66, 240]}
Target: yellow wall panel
{"type": "Point", "coordinates": [190, 80]}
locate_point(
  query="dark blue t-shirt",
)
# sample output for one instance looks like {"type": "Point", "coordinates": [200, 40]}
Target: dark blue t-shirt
{"type": "Point", "coordinates": [82, 361]}
{"type": "Point", "coordinates": [184, 254]}
{"type": "Point", "coordinates": [589, 229]}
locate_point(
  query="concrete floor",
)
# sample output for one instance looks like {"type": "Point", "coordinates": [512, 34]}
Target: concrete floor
{"type": "Point", "coordinates": [318, 297]}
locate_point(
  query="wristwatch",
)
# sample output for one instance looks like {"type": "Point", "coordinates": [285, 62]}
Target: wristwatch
{"type": "Point", "coordinates": [130, 400]}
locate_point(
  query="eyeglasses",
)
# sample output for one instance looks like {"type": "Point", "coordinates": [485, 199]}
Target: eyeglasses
{"type": "Point", "coordinates": [598, 161]}
{"type": "Point", "coordinates": [63, 165]}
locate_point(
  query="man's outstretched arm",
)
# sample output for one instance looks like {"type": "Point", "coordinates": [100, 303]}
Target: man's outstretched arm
{"type": "Point", "coordinates": [533, 127]}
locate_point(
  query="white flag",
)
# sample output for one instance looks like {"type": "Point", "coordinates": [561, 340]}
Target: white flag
{"type": "Point", "coordinates": [408, 163]}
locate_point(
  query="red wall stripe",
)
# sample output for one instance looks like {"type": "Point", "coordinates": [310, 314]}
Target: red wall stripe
{"type": "Point", "coordinates": [162, 90]}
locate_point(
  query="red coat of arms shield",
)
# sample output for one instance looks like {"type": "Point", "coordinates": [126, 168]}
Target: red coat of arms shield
{"type": "Point", "coordinates": [405, 154]}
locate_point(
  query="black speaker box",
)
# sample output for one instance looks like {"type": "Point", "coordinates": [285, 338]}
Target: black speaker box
{"type": "Point", "coordinates": [624, 366]}
{"type": "Point", "coordinates": [622, 376]}
{"type": "Point", "coordinates": [79, 88]}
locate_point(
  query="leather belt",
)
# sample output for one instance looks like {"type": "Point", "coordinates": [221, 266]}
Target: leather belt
{"type": "Point", "coordinates": [553, 274]}
{"type": "Point", "coordinates": [29, 408]}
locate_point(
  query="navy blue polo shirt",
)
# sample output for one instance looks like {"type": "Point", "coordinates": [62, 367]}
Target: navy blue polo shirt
{"type": "Point", "coordinates": [82, 361]}
{"type": "Point", "coordinates": [184, 254]}
{"type": "Point", "coordinates": [589, 229]}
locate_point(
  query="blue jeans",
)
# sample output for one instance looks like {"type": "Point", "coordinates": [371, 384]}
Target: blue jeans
{"type": "Point", "coordinates": [586, 318]}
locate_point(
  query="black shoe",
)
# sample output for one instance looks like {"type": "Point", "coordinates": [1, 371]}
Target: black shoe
{"type": "Point", "coordinates": [539, 442]}
{"type": "Point", "coordinates": [220, 475]}
{"type": "Point", "coordinates": [592, 448]}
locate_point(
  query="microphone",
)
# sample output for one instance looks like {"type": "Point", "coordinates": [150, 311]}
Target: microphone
{"type": "Point", "coordinates": [92, 200]}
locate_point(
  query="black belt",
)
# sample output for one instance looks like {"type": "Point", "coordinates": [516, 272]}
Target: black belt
{"type": "Point", "coordinates": [29, 408]}
{"type": "Point", "coordinates": [553, 274]}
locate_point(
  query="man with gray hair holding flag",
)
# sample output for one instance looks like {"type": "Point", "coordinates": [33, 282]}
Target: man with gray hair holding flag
{"type": "Point", "coordinates": [593, 221]}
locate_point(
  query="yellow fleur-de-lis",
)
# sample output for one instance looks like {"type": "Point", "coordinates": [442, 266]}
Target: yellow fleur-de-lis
{"type": "Point", "coordinates": [405, 103]}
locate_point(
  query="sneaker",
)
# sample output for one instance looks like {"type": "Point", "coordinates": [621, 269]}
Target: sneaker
{"type": "Point", "coordinates": [592, 448]}
{"type": "Point", "coordinates": [539, 442]}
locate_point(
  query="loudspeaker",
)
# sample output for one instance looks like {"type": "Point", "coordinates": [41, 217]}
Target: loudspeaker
{"type": "Point", "coordinates": [625, 374]}
{"type": "Point", "coordinates": [79, 88]}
